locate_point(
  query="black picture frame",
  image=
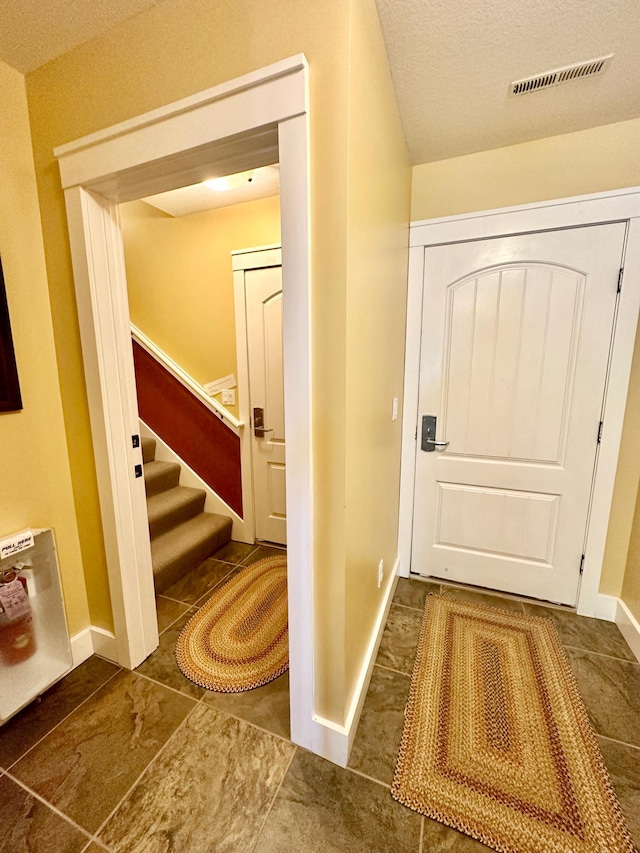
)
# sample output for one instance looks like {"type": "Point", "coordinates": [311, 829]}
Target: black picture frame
{"type": "Point", "coordinates": [10, 397]}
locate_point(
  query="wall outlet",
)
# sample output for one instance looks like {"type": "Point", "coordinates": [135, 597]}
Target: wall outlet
{"type": "Point", "coordinates": [394, 409]}
{"type": "Point", "coordinates": [229, 397]}
{"type": "Point", "coordinates": [380, 572]}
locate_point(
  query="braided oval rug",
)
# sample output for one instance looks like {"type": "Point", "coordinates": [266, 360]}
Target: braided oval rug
{"type": "Point", "coordinates": [239, 639]}
{"type": "Point", "coordinates": [497, 742]}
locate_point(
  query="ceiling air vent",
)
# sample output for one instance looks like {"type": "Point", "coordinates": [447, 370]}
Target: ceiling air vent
{"type": "Point", "coordinates": [560, 75]}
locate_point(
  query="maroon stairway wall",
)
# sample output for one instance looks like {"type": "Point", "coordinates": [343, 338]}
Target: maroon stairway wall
{"type": "Point", "coordinates": [191, 430]}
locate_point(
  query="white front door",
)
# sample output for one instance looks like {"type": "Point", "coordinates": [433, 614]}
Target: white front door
{"type": "Point", "coordinates": [515, 342]}
{"type": "Point", "coordinates": [263, 294]}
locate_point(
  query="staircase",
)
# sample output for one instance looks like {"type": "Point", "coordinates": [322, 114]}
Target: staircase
{"type": "Point", "coordinates": [182, 533]}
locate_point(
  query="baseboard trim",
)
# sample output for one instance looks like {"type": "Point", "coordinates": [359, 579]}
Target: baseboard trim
{"type": "Point", "coordinates": [93, 640]}
{"type": "Point", "coordinates": [629, 627]}
{"type": "Point", "coordinates": [606, 607]}
{"type": "Point", "coordinates": [81, 647]}
{"type": "Point", "coordinates": [333, 741]}
{"type": "Point", "coordinates": [104, 643]}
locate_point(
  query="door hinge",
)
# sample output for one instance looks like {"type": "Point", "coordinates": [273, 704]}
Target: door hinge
{"type": "Point", "coordinates": [582, 564]}
{"type": "Point", "coordinates": [620, 273]}
{"type": "Point", "coordinates": [137, 470]}
{"type": "Point", "coordinates": [601, 424]}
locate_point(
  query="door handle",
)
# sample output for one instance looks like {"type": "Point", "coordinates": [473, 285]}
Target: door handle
{"type": "Point", "coordinates": [429, 443]}
{"type": "Point", "coordinates": [435, 445]}
{"type": "Point", "coordinates": [259, 429]}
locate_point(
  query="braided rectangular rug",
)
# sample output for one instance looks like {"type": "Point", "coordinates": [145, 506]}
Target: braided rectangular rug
{"type": "Point", "coordinates": [497, 742]}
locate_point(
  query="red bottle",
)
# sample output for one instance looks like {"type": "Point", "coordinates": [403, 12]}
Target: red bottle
{"type": "Point", "coordinates": [17, 638]}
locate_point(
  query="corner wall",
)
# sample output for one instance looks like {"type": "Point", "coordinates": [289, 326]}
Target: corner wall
{"type": "Point", "coordinates": [36, 481]}
{"type": "Point", "coordinates": [588, 161]}
{"type": "Point", "coordinates": [377, 256]}
{"type": "Point", "coordinates": [167, 52]}
{"type": "Point", "coordinates": [180, 278]}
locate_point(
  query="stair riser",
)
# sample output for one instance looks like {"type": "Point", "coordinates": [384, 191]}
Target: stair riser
{"type": "Point", "coordinates": [176, 516]}
{"type": "Point", "coordinates": [163, 481]}
{"type": "Point", "coordinates": [186, 561]}
{"type": "Point", "coordinates": [148, 450]}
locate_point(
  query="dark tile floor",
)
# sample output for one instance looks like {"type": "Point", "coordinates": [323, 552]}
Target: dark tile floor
{"type": "Point", "coordinates": [607, 673]}
{"type": "Point", "coordinates": [145, 761]}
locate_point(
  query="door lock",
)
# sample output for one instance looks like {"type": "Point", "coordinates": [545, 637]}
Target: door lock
{"type": "Point", "coordinates": [429, 443]}
{"type": "Point", "coordinates": [259, 429]}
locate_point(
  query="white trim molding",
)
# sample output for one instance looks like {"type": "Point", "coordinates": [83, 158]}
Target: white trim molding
{"type": "Point", "coordinates": [189, 382]}
{"type": "Point", "coordinates": [93, 640]}
{"type": "Point", "coordinates": [629, 627]}
{"type": "Point", "coordinates": [606, 607]}
{"type": "Point", "coordinates": [600, 208]}
{"type": "Point", "coordinates": [332, 741]}
{"type": "Point", "coordinates": [255, 120]}
{"type": "Point", "coordinates": [81, 647]}
{"type": "Point", "coordinates": [242, 260]}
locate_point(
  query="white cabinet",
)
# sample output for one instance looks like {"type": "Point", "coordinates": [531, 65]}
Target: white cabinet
{"type": "Point", "coordinates": [34, 650]}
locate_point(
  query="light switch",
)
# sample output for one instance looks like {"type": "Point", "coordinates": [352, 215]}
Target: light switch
{"type": "Point", "coordinates": [229, 397]}
{"type": "Point", "coordinates": [394, 409]}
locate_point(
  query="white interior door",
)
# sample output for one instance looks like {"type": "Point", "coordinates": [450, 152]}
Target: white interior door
{"type": "Point", "coordinates": [515, 340]}
{"type": "Point", "coordinates": [263, 296]}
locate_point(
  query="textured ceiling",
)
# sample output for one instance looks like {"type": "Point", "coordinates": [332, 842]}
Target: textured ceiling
{"type": "Point", "coordinates": [33, 32]}
{"type": "Point", "coordinates": [452, 62]}
{"type": "Point", "coordinates": [197, 198]}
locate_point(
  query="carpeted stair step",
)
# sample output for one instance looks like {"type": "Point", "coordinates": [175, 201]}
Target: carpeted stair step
{"type": "Point", "coordinates": [183, 547]}
{"type": "Point", "coordinates": [160, 476]}
{"type": "Point", "coordinates": [148, 450]}
{"type": "Point", "coordinates": [169, 508]}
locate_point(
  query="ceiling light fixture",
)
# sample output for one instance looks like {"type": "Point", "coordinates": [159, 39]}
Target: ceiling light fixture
{"type": "Point", "coordinates": [230, 182]}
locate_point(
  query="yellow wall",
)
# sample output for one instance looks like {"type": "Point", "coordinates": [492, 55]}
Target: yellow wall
{"type": "Point", "coordinates": [377, 254]}
{"type": "Point", "coordinates": [36, 482]}
{"type": "Point", "coordinates": [588, 161]}
{"type": "Point", "coordinates": [168, 52]}
{"type": "Point", "coordinates": [631, 587]}
{"type": "Point", "coordinates": [180, 279]}
{"type": "Point", "coordinates": [595, 160]}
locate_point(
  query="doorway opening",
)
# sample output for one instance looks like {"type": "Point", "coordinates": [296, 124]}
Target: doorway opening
{"type": "Point", "coordinates": [617, 209]}
{"type": "Point", "coordinates": [250, 122]}
{"type": "Point", "coordinates": [189, 288]}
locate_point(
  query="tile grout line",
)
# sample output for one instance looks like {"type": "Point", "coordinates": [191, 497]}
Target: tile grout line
{"type": "Point", "coordinates": [246, 722]}
{"type": "Point", "coordinates": [408, 606]}
{"type": "Point", "coordinates": [232, 568]}
{"type": "Point", "coordinates": [211, 707]}
{"type": "Point", "coordinates": [175, 600]}
{"type": "Point", "coordinates": [209, 591]}
{"type": "Point", "coordinates": [171, 624]}
{"type": "Point", "coordinates": [168, 686]}
{"type": "Point", "coordinates": [266, 817]}
{"type": "Point", "coordinates": [66, 717]}
{"type": "Point", "coordinates": [142, 773]}
{"type": "Point", "coordinates": [391, 669]}
{"type": "Point", "coordinates": [201, 701]}
{"type": "Point", "coordinates": [601, 654]}
{"type": "Point", "coordinates": [98, 844]}
{"type": "Point", "coordinates": [620, 742]}
{"type": "Point", "coordinates": [49, 805]}
{"type": "Point", "coordinates": [385, 785]}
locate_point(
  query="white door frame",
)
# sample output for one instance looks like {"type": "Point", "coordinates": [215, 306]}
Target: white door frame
{"type": "Point", "coordinates": [242, 260]}
{"type": "Point", "coordinates": [255, 120]}
{"type": "Point", "coordinates": [615, 206]}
